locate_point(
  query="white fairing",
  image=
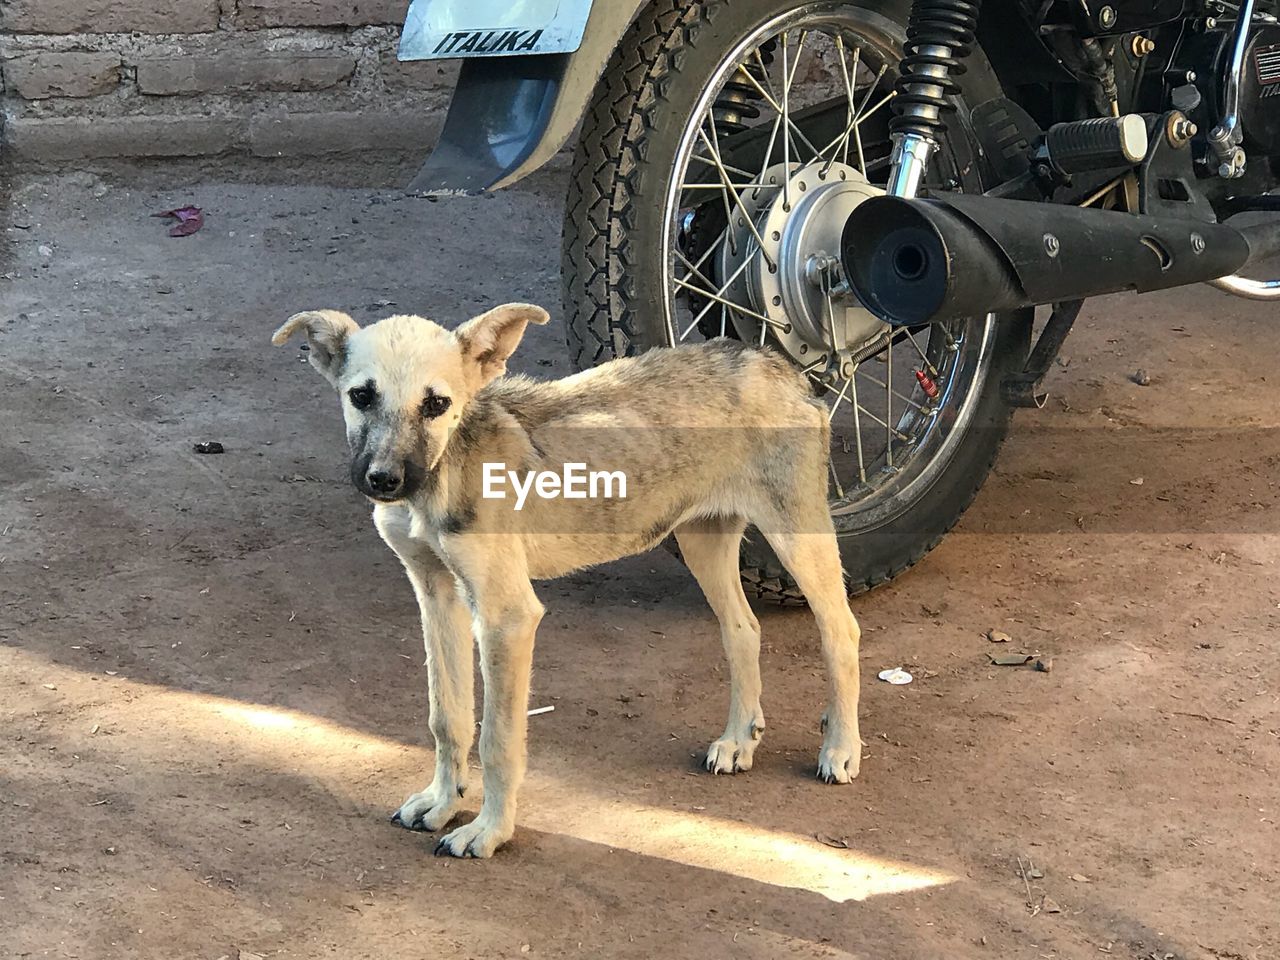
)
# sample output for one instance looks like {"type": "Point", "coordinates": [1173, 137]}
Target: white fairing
{"type": "Point", "coordinates": [453, 29]}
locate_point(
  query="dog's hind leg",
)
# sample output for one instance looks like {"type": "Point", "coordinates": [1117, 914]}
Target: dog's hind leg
{"type": "Point", "coordinates": [710, 551]}
{"type": "Point", "coordinates": [813, 559]}
{"type": "Point", "coordinates": [446, 630]}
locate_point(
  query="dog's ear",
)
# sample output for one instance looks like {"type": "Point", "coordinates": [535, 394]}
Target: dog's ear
{"type": "Point", "coordinates": [327, 332]}
{"type": "Point", "coordinates": [489, 339]}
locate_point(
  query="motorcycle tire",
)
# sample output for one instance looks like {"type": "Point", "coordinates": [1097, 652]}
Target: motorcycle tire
{"type": "Point", "coordinates": [612, 274]}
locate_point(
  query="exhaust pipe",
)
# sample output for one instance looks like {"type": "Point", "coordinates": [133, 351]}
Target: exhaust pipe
{"type": "Point", "coordinates": [920, 261]}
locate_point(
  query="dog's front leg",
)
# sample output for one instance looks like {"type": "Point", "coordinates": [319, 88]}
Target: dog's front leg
{"type": "Point", "coordinates": [508, 624]}
{"type": "Point", "coordinates": [446, 632]}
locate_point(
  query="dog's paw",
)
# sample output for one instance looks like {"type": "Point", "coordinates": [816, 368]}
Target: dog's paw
{"type": "Point", "coordinates": [730, 756]}
{"type": "Point", "coordinates": [734, 754]}
{"type": "Point", "coordinates": [839, 762]}
{"type": "Point", "coordinates": [479, 839]}
{"type": "Point", "coordinates": [429, 810]}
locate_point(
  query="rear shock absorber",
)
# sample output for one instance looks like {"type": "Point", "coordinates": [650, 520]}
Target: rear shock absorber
{"type": "Point", "coordinates": [940, 35]}
{"type": "Point", "coordinates": [737, 103]}
{"type": "Point", "coordinates": [738, 100]}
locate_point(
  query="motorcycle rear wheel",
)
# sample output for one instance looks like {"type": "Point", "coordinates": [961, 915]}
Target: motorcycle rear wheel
{"type": "Point", "coordinates": [688, 91]}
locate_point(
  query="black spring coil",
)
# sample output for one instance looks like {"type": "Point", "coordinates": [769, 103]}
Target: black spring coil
{"type": "Point", "coordinates": [739, 100]}
{"type": "Point", "coordinates": [934, 23]}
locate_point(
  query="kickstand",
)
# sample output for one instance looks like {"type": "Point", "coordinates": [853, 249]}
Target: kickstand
{"type": "Point", "coordinates": [1023, 388]}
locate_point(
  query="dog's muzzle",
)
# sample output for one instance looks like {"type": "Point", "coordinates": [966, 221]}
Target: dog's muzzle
{"type": "Point", "coordinates": [385, 482]}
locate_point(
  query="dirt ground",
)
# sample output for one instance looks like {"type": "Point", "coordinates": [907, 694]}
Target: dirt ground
{"type": "Point", "coordinates": [211, 692]}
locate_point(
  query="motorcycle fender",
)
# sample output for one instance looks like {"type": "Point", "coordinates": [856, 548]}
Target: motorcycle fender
{"type": "Point", "coordinates": [511, 114]}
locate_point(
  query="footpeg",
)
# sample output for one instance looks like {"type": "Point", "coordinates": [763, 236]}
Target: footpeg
{"type": "Point", "coordinates": [1100, 143]}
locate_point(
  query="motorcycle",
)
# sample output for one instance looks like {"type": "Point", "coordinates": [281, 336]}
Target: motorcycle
{"type": "Point", "coordinates": [884, 191]}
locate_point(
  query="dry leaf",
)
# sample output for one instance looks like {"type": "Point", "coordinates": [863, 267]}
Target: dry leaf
{"type": "Point", "coordinates": [190, 219]}
{"type": "Point", "coordinates": [1014, 660]}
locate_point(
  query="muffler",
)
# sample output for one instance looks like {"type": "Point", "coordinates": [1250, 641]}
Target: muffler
{"type": "Point", "coordinates": [919, 261]}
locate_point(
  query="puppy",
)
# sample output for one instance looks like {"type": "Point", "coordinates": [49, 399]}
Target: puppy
{"type": "Point", "coordinates": [699, 441]}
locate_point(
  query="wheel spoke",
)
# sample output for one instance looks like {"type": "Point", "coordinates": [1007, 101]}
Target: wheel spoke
{"type": "Point", "coordinates": [747, 218]}
{"type": "Point", "coordinates": [777, 107]}
{"type": "Point", "coordinates": [855, 122]}
{"type": "Point", "coordinates": [839, 397]}
{"type": "Point", "coordinates": [767, 162]}
{"type": "Point", "coordinates": [899, 394]}
{"type": "Point", "coordinates": [835, 478]}
{"type": "Point", "coordinates": [932, 370]}
{"type": "Point", "coordinates": [694, 270]}
{"type": "Point", "coordinates": [849, 73]}
{"type": "Point", "coordinates": [718, 297]}
{"type": "Point", "coordinates": [706, 254]}
{"type": "Point", "coordinates": [786, 130]}
{"type": "Point", "coordinates": [857, 429]}
{"type": "Point", "coordinates": [721, 164]}
{"type": "Point", "coordinates": [888, 403]}
{"type": "Point", "coordinates": [720, 186]}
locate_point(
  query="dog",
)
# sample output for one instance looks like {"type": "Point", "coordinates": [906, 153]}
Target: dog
{"type": "Point", "coordinates": [710, 438]}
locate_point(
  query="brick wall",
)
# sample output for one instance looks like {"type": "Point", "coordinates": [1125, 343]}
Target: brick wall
{"type": "Point", "coordinates": [150, 78]}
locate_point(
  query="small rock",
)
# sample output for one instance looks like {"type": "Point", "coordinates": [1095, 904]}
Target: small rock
{"type": "Point", "coordinates": [1044, 664]}
{"type": "Point", "coordinates": [1136, 481]}
{"type": "Point", "coordinates": [998, 636]}
{"type": "Point", "coordinates": [109, 851]}
{"type": "Point", "coordinates": [1050, 906]}
{"type": "Point", "coordinates": [50, 686]}
{"type": "Point", "coordinates": [44, 250]}
{"type": "Point", "coordinates": [1080, 878]}
{"type": "Point", "coordinates": [209, 446]}
{"type": "Point", "coordinates": [1141, 378]}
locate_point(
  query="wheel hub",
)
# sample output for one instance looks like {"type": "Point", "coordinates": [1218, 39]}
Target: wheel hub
{"type": "Point", "coordinates": [780, 250]}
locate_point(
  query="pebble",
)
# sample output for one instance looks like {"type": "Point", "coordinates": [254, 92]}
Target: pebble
{"type": "Point", "coordinates": [44, 250]}
{"type": "Point", "coordinates": [1141, 378]}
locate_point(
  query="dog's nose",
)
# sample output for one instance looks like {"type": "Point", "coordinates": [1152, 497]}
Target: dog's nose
{"type": "Point", "coordinates": [384, 483]}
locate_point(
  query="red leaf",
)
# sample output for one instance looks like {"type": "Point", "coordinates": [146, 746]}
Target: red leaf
{"type": "Point", "coordinates": [188, 225]}
{"type": "Point", "coordinates": [190, 219]}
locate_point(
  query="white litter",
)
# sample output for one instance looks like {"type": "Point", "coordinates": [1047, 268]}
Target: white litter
{"type": "Point", "coordinates": [896, 675]}
{"type": "Point", "coordinates": [535, 712]}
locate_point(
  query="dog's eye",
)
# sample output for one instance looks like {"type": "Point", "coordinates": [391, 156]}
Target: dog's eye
{"type": "Point", "coordinates": [434, 405]}
{"type": "Point", "coordinates": [362, 397]}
